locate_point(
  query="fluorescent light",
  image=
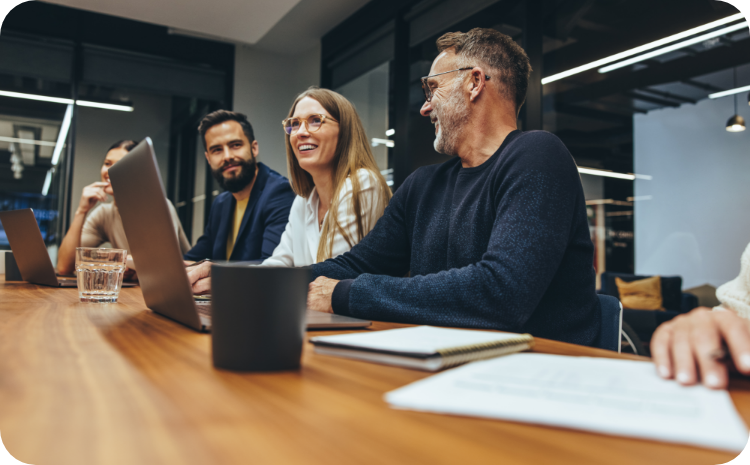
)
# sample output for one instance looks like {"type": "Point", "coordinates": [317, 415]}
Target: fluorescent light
{"type": "Point", "coordinates": [724, 93]}
{"type": "Point", "coordinates": [41, 98]}
{"type": "Point", "coordinates": [673, 47]}
{"type": "Point", "coordinates": [106, 106]}
{"type": "Point", "coordinates": [66, 101]}
{"type": "Point", "coordinates": [390, 132]}
{"type": "Point", "coordinates": [608, 174]}
{"type": "Point", "coordinates": [642, 48]}
{"type": "Point", "coordinates": [62, 135]}
{"type": "Point", "coordinates": [47, 182]}
{"type": "Point", "coordinates": [27, 141]}
{"type": "Point", "coordinates": [389, 183]}
{"type": "Point", "coordinates": [386, 142]}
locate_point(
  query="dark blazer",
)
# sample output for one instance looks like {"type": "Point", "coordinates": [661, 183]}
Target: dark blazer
{"type": "Point", "coordinates": [265, 219]}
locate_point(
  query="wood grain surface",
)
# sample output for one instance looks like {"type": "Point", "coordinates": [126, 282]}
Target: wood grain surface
{"type": "Point", "coordinates": [118, 384]}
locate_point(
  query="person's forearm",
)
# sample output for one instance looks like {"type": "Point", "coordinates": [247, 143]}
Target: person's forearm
{"type": "Point", "coordinates": [66, 255]}
{"type": "Point", "coordinates": [471, 296]}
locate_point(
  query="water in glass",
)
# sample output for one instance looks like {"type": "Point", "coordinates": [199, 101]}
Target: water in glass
{"type": "Point", "coordinates": [100, 273]}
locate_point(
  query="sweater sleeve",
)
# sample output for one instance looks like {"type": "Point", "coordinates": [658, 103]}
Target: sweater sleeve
{"type": "Point", "coordinates": [535, 204]}
{"type": "Point", "coordinates": [92, 234]}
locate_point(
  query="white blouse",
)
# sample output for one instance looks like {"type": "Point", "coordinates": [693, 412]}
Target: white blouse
{"type": "Point", "coordinates": [299, 243]}
{"type": "Point", "coordinates": [736, 293]}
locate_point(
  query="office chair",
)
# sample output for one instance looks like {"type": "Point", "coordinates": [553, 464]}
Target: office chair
{"type": "Point", "coordinates": [614, 330]}
{"type": "Point", "coordinates": [609, 337]}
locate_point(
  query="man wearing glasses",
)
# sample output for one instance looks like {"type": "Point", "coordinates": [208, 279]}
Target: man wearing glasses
{"type": "Point", "coordinates": [247, 220]}
{"type": "Point", "coordinates": [496, 238]}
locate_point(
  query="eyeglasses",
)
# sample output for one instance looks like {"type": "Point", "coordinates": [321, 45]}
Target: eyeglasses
{"type": "Point", "coordinates": [314, 122]}
{"type": "Point", "coordinates": [426, 87]}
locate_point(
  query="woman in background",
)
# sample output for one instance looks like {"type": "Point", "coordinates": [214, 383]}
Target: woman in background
{"type": "Point", "coordinates": [340, 191]}
{"type": "Point", "coordinates": [104, 223]}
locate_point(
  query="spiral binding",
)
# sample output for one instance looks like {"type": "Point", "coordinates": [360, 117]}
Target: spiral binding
{"type": "Point", "coordinates": [453, 356]}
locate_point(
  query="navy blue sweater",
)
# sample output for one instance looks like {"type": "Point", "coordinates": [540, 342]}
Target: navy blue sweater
{"type": "Point", "coordinates": [504, 245]}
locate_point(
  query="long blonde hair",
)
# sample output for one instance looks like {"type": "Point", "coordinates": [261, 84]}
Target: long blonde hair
{"type": "Point", "coordinates": [352, 154]}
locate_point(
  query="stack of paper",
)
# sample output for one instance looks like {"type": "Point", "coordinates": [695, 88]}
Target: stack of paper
{"type": "Point", "coordinates": [619, 397]}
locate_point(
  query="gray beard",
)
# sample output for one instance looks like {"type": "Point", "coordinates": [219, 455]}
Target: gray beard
{"type": "Point", "coordinates": [452, 115]}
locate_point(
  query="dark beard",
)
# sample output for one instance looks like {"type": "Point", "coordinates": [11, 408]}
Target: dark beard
{"type": "Point", "coordinates": [240, 181]}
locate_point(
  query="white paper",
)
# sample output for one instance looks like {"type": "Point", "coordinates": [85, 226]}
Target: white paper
{"type": "Point", "coordinates": [416, 340]}
{"type": "Point", "coordinates": [619, 397]}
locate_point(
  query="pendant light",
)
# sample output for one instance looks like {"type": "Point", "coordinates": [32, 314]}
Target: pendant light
{"type": "Point", "coordinates": [736, 123]}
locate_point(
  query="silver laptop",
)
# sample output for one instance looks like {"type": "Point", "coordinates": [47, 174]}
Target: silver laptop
{"type": "Point", "coordinates": [29, 250]}
{"type": "Point", "coordinates": [156, 251]}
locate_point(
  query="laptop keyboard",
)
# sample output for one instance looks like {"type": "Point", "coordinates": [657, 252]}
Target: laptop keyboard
{"type": "Point", "coordinates": [204, 309]}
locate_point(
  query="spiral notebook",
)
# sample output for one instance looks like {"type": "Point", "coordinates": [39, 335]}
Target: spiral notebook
{"type": "Point", "coordinates": [423, 347]}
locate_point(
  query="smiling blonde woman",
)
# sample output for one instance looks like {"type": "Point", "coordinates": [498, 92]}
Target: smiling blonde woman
{"type": "Point", "coordinates": [341, 193]}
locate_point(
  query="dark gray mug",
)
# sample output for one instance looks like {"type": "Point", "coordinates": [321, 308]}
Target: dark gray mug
{"type": "Point", "coordinates": [258, 316]}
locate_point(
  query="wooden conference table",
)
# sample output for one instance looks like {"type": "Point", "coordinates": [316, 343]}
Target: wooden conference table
{"type": "Point", "coordinates": [118, 384]}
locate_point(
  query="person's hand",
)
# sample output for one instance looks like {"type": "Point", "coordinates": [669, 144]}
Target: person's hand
{"type": "Point", "coordinates": [92, 194]}
{"type": "Point", "coordinates": [130, 275]}
{"type": "Point", "coordinates": [200, 278]}
{"type": "Point", "coordinates": [320, 293]}
{"type": "Point", "coordinates": [699, 340]}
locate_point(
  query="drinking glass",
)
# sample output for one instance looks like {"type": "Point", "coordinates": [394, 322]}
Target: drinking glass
{"type": "Point", "coordinates": [100, 273]}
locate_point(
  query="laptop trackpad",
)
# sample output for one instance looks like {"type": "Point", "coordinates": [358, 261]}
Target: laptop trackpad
{"type": "Point", "coordinates": [320, 320]}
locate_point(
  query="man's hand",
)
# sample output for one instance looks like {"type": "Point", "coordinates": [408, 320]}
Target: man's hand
{"type": "Point", "coordinates": [200, 278]}
{"type": "Point", "coordinates": [92, 194]}
{"type": "Point", "coordinates": [700, 338]}
{"type": "Point", "coordinates": [320, 293]}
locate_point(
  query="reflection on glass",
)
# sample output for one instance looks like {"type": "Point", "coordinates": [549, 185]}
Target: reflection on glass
{"type": "Point", "coordinates": [33, 138]}
{"type": "Point", "coordinates": [369, 94]}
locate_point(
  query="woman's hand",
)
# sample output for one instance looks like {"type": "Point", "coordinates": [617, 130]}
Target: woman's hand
{"type": "Point", "coordinates": [92, 194]}
{"type": "Point", "coordinates": [700, 339]}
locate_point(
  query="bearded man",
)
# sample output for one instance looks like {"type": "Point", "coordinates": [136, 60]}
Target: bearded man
{"type": "Point", "coordinates": [496, 238]}
{"type": "Point", "coordinates": [247, 220]}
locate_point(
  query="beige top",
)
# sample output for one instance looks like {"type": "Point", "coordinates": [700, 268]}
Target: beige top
{"type": "Point", "coordinates": [239, 214]}
{"type": "Point", "coordinates": [736, 293]}
{"type": "Point", "coordinates": [105, 225]}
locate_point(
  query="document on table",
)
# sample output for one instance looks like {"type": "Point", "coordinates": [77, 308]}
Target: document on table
{"type": "Point", "coordinates": [619, 397]}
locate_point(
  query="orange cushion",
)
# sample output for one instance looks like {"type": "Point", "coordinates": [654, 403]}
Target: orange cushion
{"type": "Point", "coordinates": [643, 294]}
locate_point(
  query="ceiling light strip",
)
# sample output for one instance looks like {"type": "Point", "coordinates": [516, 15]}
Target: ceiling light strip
{"type": "Point", "coordinates": [608, 174]}
{"type": "Point", "coordinates": [41, 98]}
{"type": "Point", "coordinates": [47, 182]}
{"type": "Point", "coordinates": [729, 92]}
{"type": "Point", "coordinates": [106, 106]}
{"type": "Point", "coordinates": [62, 135]}
{"type": "Point", "coordinates": [673, 47]}
{"type": "Point", "coordinates": [642, 48]}
{"type": "Point", "coordinates": [27, 141]}
{"type": "Point", "coordinates": [66, 101]}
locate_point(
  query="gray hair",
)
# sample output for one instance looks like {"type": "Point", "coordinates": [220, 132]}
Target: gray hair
{"type": "Point", "coordinates": [496, 51]}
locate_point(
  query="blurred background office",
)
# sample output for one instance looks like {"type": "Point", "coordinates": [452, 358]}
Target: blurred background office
{"type": "Point", "coordinates": [657, 134]}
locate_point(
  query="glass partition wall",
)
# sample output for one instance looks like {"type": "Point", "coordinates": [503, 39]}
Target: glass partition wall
{"type": "Point", "coordinates": [66, 97]}
{"type": "Point", "coordinates": [36, 114]}
{"type": "Point", "coordinates": [677, 56]}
